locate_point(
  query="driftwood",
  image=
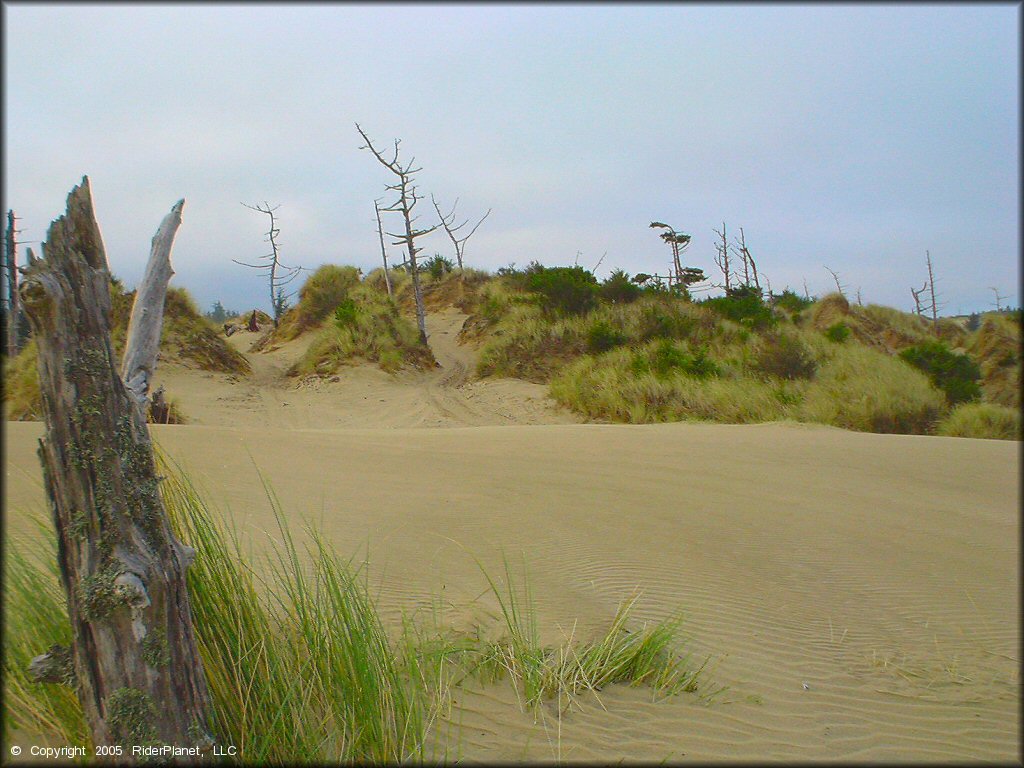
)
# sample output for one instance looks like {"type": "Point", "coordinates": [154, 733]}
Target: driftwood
{"type": "Point", "coordinates": [148, 310]}
{"type": "Point", "coordinates": [134, 659]}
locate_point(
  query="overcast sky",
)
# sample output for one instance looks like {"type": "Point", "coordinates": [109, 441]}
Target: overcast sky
{"type": "Point", "coordinates": [856, 137]}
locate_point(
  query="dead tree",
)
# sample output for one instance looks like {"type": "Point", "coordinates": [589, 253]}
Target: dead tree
{"type": "Point", "coordinates": [839, 286]}
{"type": "Point", "coordinates": [447, 221]}
{"type": "Point", "coordinates": [931, 286]}
{"type": "Point", "coordinates": [748, 261]}
{"type": "Point", "coordinates": [279, 274]}
{"type": "Point", "coordinates": [13, 309]}
{"type": "Point", "coordinates": [405, 202]}
{"type": "Point", "coordinates": [134, 659]}
{"type": "Point", "coordinates": [999, 299]}
{"type": "Point", "coordinates": [919, 308]}
{"type": "Point", "coordinates": [722, 259]}
{"type": "Point", "coordinates": [383, 250]}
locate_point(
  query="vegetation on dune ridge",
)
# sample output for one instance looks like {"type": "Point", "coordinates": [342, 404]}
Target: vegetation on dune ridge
{"type": "Point", "coordinates": [300, 667]}
{"type": "Point", "coordinates": [365, 326]}
{"type": "Point", "coordinates": [186, 338]}
{"type": "Point", "coordinates": [648, 355]}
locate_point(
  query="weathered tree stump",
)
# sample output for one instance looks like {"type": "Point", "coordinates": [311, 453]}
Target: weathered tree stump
{"type": "Point", "coordinates": [134, 658]}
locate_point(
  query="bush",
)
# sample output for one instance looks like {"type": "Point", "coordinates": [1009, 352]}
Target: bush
{"type": "Point", "coordinates": [786, 357]}
{"type": "Point", "coordinates": [982, 420]}
{"type": "Point", "coordinates": [602, 336]}
{"type": "Point", "coordinates": [838, 332]}
{"type": "Point", "coordinates": [667, 358]}
{"type": "Point", "coordinates": [345, 313]}
{"type": "Point", "coordinates": [791, 302]}
{"type": "Point", "coordinates": [437, 265]}
{"type": "Point", "coordinates": [565, 290]}
{"type": "Point", "coordinates": [619, 289]}
{"type": "Point", "coordinates": [745, 306]}
{"type": "Point", "coordinates": [956, 375]}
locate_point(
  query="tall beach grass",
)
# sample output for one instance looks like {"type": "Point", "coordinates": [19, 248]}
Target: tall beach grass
{"type": "Point", "coordinates": [301, 668]}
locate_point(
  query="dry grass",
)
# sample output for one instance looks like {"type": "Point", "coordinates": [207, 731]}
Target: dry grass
{"type": "Point", "coordinates": [996, 345]}
{"type": "Point", "coordinates": [325, 289]}
{"type": "Point", "coordinates": [863, 389]}
{"type": "Point", "coordinates": [374, 332]}
{"type": "Point", "coordinates": [186, 338]}
{"type": "Point", "coordinates": [982, 420]}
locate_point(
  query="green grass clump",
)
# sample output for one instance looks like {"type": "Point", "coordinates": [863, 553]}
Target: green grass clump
{"type": "Point", "coordinates": [785, 356]}
{"type": "Point", "coordinates": [370, 328]}
{"type": "Point", "coordinates": [863, 389]}
{"type": "Point", "coordinates": [661, 382]}
{"type": "Point", "coordinates": [982, 420]}
{"type": "Point", "coordinates": [602, 336]}
{"type": "Point", "coordinates": [955, 374]}
{"type": "Point", "coordinates": [22, 400]}
{"type": "Point", "coordinates": [37, 619]}
{"type": "Point", "coordinates": [650, 655]}
{"type": "Point", "coordinates": [323, 290]}
{"type": "Point", "coordinates": [838, 332]}
{"type": "Point", "coordinates": [299, 665]}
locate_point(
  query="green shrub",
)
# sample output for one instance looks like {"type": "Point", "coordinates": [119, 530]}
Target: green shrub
{"type": "Point", "coordinates": [743, 305]}
{"type": "Point", "coordinates": [838, 332]}
{"type": "Point", "coordinates": [565, 290]}
{"type": "Point", "coordinates": [667, 358]}
{"type": "Point", "coordinates": [619, 289]}
{"type": "Point", "coordinates": [982, 420]}
{"type": "Point", "coordinates": [785, 357]}
{"type": "Point", "coordinates": [791, 302]}
{"type": "Point", "coordinates": [602, 336]}
{"type": "Point", "coordinates": [345, 314]}
{"type": "Point", "coordinates": [956, 375]}
{"type": "Point", "coordinates": [437, 266]}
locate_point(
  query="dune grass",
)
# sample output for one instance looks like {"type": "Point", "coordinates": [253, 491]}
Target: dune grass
{"type": "Point", "coordinates": [365, 326]}
{"type": "Point", "coordinates": [982, 420]}
{"type": "Point", "coordinates": [301, 668]}
{"type": "Point", "coordinates": [324, 289]}
{"type": "Point", "coordinates": [866, 390]}
{"type": "Point", "coordinates": [186, 337]}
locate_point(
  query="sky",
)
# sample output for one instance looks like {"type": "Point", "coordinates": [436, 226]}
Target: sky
{"type": "Point", "coordinates": [854, 137]}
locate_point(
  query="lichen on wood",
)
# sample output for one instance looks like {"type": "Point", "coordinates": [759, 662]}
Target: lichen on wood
{"type": "Point", "coordinates": [122, 569]}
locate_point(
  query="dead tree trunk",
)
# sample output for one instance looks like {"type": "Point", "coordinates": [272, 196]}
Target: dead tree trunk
{"type": "Point", "coordinates": [931, 286]}
{"type": "Point", "coordinates": [134, 659]}
{"type": "Point", "coordinates": [383, 250]}
{"type": "Point", "coordinates": [460, 242]}
{"type": "Point", "coordinates": [11, 262]}
{"type": "Point", "coordinates": [722, 260]}
{"type": "Point", "coordinates": [407, 198]}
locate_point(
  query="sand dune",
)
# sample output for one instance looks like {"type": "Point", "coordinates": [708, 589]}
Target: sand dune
{"type": "Point", "coordinates": [858, 593]}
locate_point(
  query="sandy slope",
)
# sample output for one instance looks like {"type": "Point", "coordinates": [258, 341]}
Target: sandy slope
{"type": "Point", "coordinates": [858, 593]}
{"type": "Point", "coordinates": [363, 395]}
